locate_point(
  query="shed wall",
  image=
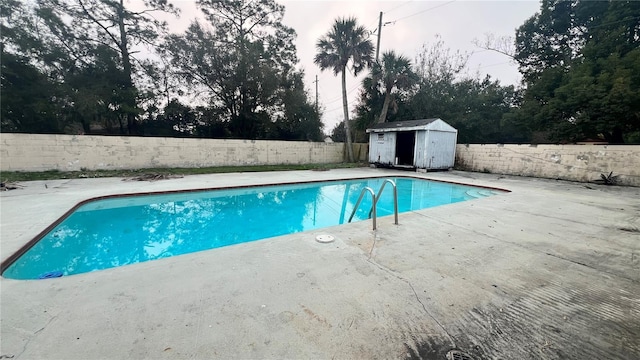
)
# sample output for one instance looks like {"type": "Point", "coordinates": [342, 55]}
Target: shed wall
{"type": "Point", "coordinates": [435, 145]}
{"type": "Point", "coordinates": [382, 148]}
{"type": "Point", "coordinates": [441, 150]}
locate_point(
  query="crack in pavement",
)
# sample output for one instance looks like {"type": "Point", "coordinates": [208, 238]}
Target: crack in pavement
{"type": "Point", "coordinates": [394, 274]}
{"type": "Point", "coordinates": [424, 307]}
{"type": "Point", "coordinates": [33, 336]}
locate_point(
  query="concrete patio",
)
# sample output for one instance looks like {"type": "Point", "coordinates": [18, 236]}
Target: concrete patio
{"type": "Point", "coordinates": [550, 270]}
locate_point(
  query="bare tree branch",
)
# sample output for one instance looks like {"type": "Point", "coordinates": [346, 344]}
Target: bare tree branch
{"type": "Point", "coordinates": [88, 14]}
{"type": "Point", "coordinates": [504, 45]}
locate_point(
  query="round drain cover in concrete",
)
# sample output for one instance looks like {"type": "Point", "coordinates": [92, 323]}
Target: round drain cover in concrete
{"type": "Point", "coordinates": [324, 238]}
{"type": "Point", "coordinates": [458, 355]}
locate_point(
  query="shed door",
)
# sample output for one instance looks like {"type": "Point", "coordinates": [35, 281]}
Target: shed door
{"type": "Point", "coordinates": [441, 149]}
{"type": "Point", "coordinates": [405, 147]}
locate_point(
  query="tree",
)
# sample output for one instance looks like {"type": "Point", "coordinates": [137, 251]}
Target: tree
{"type": "Point", "coordinates": [261, 48]}
{"type": "Point", "coordinates": [436, 63]}
{"type": "Point", "coordinates": [580, 62]}
{"type": "Point", "coordinates": [93, 91]}
{"type": "Point", "coordinates": [367, 109]}
{"type": "Point", "coordinates": [546, 41]}
{"type": "Point", "coordinates": [244, 64]}
{"type": "Point", "coordinates": [371, 101]}
{"type": "Point", "coordinates": [337, 133]}
{"type": "Point", "coordinates": [504, 45]}
{"type": "Point", "coordinates": [30, 96]}
{"type": "Point", "coordinates": [84, 28]}
{"type": "Point", "coordinates": [300, 120]}
{"type": "Point", "coordinates": [438, 68]}
{"type": "Point", "coordinates": [346, 43]}
{"type": "Point", "coordinates": [479, 107]}
{"type": "Point", "coordinates": [393, 73]}
{"type": "Point", "coordinates": [481, 112]}
{"type": "Point", "coordinates": [176, 119]}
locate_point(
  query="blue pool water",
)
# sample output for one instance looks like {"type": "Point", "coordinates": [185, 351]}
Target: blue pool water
{"type": "Point", "coordinates": [125, 230]}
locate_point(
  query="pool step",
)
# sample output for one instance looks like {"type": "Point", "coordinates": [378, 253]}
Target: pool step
{"type": "Point", "coordinates": [479, 193]}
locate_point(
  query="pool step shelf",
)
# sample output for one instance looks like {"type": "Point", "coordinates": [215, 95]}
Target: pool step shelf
{"type": "Point", "coordinates": [479, 193]}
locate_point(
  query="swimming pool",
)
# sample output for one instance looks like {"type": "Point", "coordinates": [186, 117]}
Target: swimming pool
{"type": "Point", "coordinates": [117, 231]}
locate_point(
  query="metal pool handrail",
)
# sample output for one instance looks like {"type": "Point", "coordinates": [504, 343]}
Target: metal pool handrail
{"type": "Point", "coordinates": [395, 198]}
{"type": "Point", "coordinates": [373, 196]}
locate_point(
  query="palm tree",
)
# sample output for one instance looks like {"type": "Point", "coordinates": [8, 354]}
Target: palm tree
{"type": "Point", "coordinates": [394, 72]}
{"type": "Point", "coordinates": [345, 43]}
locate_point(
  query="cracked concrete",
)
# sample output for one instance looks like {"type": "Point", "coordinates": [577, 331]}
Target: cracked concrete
{"type": "Point", "coordinates": [548, 271]}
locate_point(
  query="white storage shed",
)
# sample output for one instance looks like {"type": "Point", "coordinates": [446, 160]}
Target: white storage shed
{"type": "Point", "coordinates": [422, 144]}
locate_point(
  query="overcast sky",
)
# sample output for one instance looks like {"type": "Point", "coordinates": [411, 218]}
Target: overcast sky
{"type": "Point", "coordinates": [409, 25]}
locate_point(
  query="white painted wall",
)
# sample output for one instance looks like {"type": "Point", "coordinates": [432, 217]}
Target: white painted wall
{"type": "Point", "coordinates": [567, 162]}
{"type": "Point", "coordinates": [382, 149]}
{"type": "Point", "coordinates": [440, 150]}
{"type": "Point", "coordinates": [37, 152]}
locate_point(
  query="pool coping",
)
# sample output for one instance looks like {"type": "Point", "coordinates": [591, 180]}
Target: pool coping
{"type": "Point", "coordinates": [5, 264]}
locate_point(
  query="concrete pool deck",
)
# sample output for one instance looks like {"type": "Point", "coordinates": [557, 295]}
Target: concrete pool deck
{"type": "Point", "coordinates": [550, 270]}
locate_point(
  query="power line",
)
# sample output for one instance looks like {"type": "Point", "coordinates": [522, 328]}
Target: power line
{"type": "Point", "coordinates": [374, 23]}
{"type": "Point", "coordinates": [423, 11]}
{"type": "Point", "coordinates": [374, 26]}
{"type": "Point", "coordinates": [395, 8]}
{"type": "Point", "coordinates": [332, 100]}
{"type": "Point", "coordinates": [334, 109]}
{"type": "Point", "coordinates": [340, 96]}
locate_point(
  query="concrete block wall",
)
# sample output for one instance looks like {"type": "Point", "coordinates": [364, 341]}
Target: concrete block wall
{"type": "Point", "coordinates": [582, 163]}
{"type": "Point", "coordinates": [37, 152]}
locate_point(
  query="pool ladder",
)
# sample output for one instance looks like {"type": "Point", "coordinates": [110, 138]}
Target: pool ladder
{"type": "Point", "coordinates": [375, 199]}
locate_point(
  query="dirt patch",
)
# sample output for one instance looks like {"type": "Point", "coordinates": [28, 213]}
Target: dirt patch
{"type": "Point", "coordinates": [7, 185]}
{"type": "Point", "coordinates": [153, 177]}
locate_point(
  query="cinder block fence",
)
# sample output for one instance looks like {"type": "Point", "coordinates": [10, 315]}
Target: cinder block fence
{"type": "Point", "coordinates": [567, 162]}
{"type": "Point", "coordinates": [37, 152]}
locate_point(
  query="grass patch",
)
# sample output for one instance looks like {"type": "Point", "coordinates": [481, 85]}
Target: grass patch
{"type": "Point", "coordinates": [12, 176]}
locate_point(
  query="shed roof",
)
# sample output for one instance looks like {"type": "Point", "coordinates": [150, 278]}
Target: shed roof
{"type": "Point", "coordinates": [423, 124]}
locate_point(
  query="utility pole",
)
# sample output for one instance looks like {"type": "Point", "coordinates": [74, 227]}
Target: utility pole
{"type": "Point", "coordinates": [379, 33]}
{"type": "Point", "coordinates": [316, 93]}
